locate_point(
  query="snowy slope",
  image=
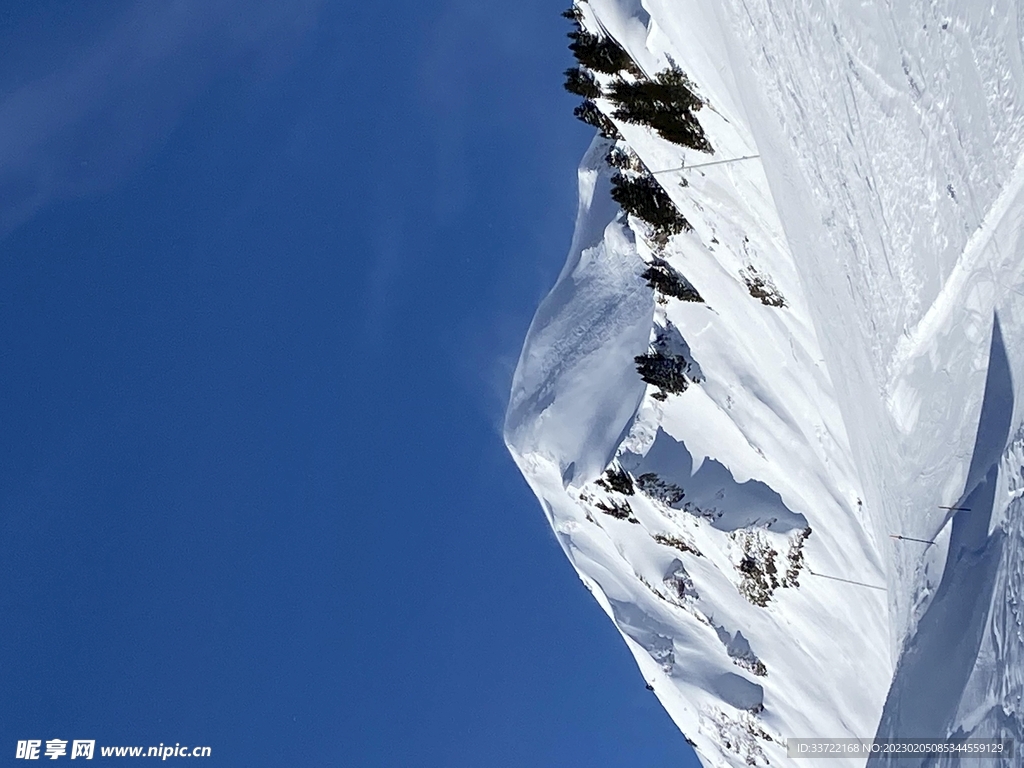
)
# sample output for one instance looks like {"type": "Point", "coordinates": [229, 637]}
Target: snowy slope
{"type": "Point", "coordinates": [738, 532]}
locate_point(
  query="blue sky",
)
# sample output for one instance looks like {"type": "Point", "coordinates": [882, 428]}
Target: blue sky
{"type": "Point", "coordinates": [265, 274]}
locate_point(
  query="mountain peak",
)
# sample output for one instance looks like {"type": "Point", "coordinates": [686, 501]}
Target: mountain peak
{"type": "Point", "coordinates": [774, 348]}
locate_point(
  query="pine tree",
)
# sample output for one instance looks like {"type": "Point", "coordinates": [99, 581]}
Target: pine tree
{"type": "Point", "coordinates": [667, 104]}
{"type": "Point", "coordinates": [601, 54]}
{"type": "Point", "coordinates": [618, 480]}
{"type": "Point", "coordinates": [644, 198]}
{"type": "Point", "coordinates": [591, 115]}
{"type": "Point", "coordinates": [625, 159]}
{"type": "Point", "coordinates": [660, 276]}
{"type": "Point", "coordinates": [582, 83]}
{"type": "Point", "coordinates": [668, 372]}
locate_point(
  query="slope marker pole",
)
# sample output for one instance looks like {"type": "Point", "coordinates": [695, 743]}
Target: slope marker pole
{"type": "Point", "coordinates": [705, 165]}
{"type": "Point", "coordinates": [909, 538]}
{"type": "Point", "coordinates": [956, 509]}
{"type": "Point", "coordinates": [846, 581]}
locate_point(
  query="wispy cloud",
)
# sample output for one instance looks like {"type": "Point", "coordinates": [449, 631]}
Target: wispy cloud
{"type": "Point", "coordinates": [87, 126]}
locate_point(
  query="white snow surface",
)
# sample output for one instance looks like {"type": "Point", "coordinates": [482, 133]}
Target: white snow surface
{"type": "Point", "coordinates": [885, 204]}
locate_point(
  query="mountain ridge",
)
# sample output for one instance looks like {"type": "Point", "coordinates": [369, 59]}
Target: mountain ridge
{"type": "Point", "coordinates": [729, 506]}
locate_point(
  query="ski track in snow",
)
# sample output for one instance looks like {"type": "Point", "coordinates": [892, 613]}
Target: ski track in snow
{"type": "Point", "coordinates": [1006, 211]}
{"type": "Point", "coordinates": [885, 206]}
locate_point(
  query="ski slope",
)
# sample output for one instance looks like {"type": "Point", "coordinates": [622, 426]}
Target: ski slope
{"type": "Point", "coordinates": [746, 553]}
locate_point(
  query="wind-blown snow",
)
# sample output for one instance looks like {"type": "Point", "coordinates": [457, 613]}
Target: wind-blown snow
{"type": "Point", "coordinates": [885, 205]}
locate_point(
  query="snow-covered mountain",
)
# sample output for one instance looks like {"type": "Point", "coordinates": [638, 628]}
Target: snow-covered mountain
{"type": "Point", "coordinates": [737, 395]}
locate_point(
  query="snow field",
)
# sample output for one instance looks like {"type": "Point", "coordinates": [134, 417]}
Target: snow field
{"type": "Point", "coordinates": [884, 207]}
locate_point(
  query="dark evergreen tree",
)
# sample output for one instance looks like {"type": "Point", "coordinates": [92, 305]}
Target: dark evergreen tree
{"type": "Point", "coordinates": [668, 372]}
{"type": "Point", "coordinates": [617, 509]}
{"type": "Point", "coordinates": [624, 159]}
{"type": "Point", "coordinates": [582, 83]}
{"type": "Point", "coordinates": [667, 104]}
{"type": "Point", "coordinates": [601, 54]}
{"type": "Point", "coordinates": [643, 197]}
{"type": "Point", "coordinates": [618, 480]}
{"type": "Point", "coordinates": [661, 277]}
{"type": "Point", "coordinates": [591, 115]}
{"type": "Point", "coordinates": [573, 14]}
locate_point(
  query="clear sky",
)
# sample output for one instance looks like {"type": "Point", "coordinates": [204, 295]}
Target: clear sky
{"type": "Point", "coordinates": [264, 273]}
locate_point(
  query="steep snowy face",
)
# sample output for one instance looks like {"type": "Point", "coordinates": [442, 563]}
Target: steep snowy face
{"type": "Point", "coordinates": [770, 406]}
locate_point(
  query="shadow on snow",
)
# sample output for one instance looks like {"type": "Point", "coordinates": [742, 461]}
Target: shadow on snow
{"type": "Point", "coordinates": [712, 492]}
{"type": "Point", "coordinates": [938, 660]}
